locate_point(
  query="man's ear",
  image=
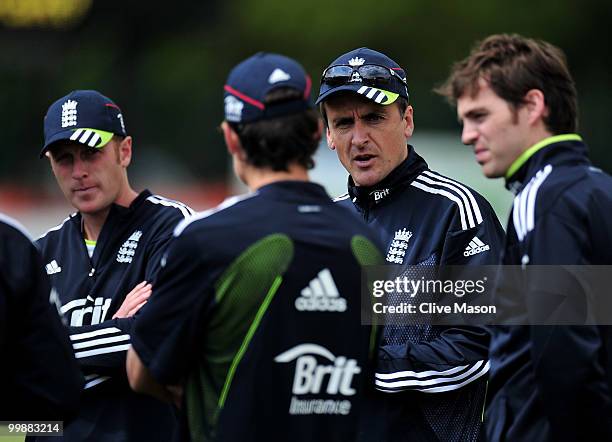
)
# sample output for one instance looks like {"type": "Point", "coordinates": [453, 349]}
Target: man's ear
{"type": "Point", "coordinates": [125, 151]}
{"type": "Point", "coordinates": [232, 141]}
{"type": "Point", "coordinates": [408, 119]}
{"type": "Point", "coordinates": [535, 103]}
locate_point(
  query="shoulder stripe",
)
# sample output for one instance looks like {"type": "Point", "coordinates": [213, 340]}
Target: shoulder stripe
{"type": "Point", "coordinates": [467, 191]}
{"type": "Point", "coordinates": [523, 210]}
{"type": "Point", "coordinates": [519, 215]}
{"type": "Point", "coordinates": [185, 210]}
{"type": "Point", "coordinates": [205, 214]}
{"type": "Point", "coordinates": [58, 227]}
{"type": "Point", "coordinates": [448, 195]}
{"type": "Point", "coordinates": [15, 224]}
{"type": "Point", "coordinates": [342, 197]}
{"type": "Point", "coordinates": [466, 205]}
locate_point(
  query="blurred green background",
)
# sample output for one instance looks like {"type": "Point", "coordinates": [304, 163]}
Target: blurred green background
{"type": "Point", "coordinates": [165, 63]}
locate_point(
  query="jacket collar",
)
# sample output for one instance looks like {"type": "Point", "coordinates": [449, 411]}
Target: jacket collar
{"type": "Point", "coordinates": [402, 175]}
{"type": "Point", "coordinates": [294, 190]}
{"type": "Point", "coordinates": [555, 150]}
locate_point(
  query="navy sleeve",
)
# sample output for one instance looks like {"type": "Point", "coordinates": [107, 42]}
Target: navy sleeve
{"type": "Point", "coordinates": [569, 361]}
{"type": "Point", "coordinates": [168, 324]}
{"type": "Point", "coordinates": [458, 355]}
{"type": "Point", "coordinates": [101, 348]}
{"type": "Point", "coordinates": [39, 373]}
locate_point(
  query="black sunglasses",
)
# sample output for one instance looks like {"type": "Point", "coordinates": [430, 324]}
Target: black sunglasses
{"type": "Point", "coordinates": [370, 74]}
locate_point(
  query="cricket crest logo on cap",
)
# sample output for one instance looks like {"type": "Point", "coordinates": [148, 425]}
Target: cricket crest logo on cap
{"type": "Point", "coordinates": [233, 109]}
{"type": "Point", "coordinates": [356, 62]}
{"type": "Point", "coordinates": [69, 113]}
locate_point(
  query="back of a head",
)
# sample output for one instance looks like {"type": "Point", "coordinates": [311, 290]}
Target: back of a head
{"type": "Point", "coordinates": [267, 103]}
{"type": "Point", "coordinates": [513, 65]}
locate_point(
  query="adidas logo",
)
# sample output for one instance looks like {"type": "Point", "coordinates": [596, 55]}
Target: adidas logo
{"type": "Point", "coordinates": [321, 295]}
{"type": "Point", "coordinates": [53, 268]}
{"type": "Point", "coordinates": [86, 136]}
{"type": "Point", "coordinates": [278, 75]}
{"type": "Point", "coordinates": [475, 246]}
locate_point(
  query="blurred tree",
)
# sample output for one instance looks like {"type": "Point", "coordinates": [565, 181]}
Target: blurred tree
{"type": "Point", "coordinates": [165, 64]}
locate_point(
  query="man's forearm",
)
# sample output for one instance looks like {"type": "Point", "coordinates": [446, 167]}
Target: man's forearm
{"type": "Point", "coordinates": [142, 381]}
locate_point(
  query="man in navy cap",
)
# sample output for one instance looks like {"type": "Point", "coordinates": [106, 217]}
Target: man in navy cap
{"type": "Point", "coordinates": [432, 378]}
{"type": "Point", "coordinates": [102, 261]}
{"type": "Point", "coordinates": [256, 314]}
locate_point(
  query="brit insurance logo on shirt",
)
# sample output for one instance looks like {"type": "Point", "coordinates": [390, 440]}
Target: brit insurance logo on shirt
{"type": "Point", "coordinates": [86, 311]}
{"type": "Point", "coordinates": [128, 249]}
{"type": "Point", "coordinates": [318, 372]}
{"type": "Point", "coordinates": [380, 194]}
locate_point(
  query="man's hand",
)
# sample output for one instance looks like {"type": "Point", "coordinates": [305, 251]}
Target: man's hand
{"type": "Point", "coordinates": [134, 300]}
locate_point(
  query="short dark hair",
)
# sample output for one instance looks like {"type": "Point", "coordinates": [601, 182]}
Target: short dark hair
{"type": "Point", "coordinates": [512, 65]}
{"type": "Point", "coordinates": [402, 104]}
{"type": "Point", "coordinates": [276, 143]}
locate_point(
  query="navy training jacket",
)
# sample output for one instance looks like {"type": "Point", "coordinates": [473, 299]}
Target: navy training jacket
{"type": "Point", "coordinates": [554, 382]}
{"type": "Point", "coordinates": [432, 379]}
{"type": "Point", "coordinates": [90, 290]}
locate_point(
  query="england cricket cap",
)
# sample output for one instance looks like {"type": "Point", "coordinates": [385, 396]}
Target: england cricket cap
{"type": "Point", "coordinates": [84, 116]}
{"type": "Point", "coordinates": [251, 80]}
{"type": "Point", "coordinates": [366, 72]}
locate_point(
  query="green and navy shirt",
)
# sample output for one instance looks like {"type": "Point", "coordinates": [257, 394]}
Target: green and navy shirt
{"type": "Point", "coordinates": [257, 313]}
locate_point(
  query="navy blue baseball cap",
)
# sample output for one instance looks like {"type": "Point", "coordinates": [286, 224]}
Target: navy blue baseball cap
{"type": "Point", "coordinates": [251, 80]}
{"type": "Point", "coordinates": [366, 72]}
{"type": "Point", "coordinates": [87, 117]}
